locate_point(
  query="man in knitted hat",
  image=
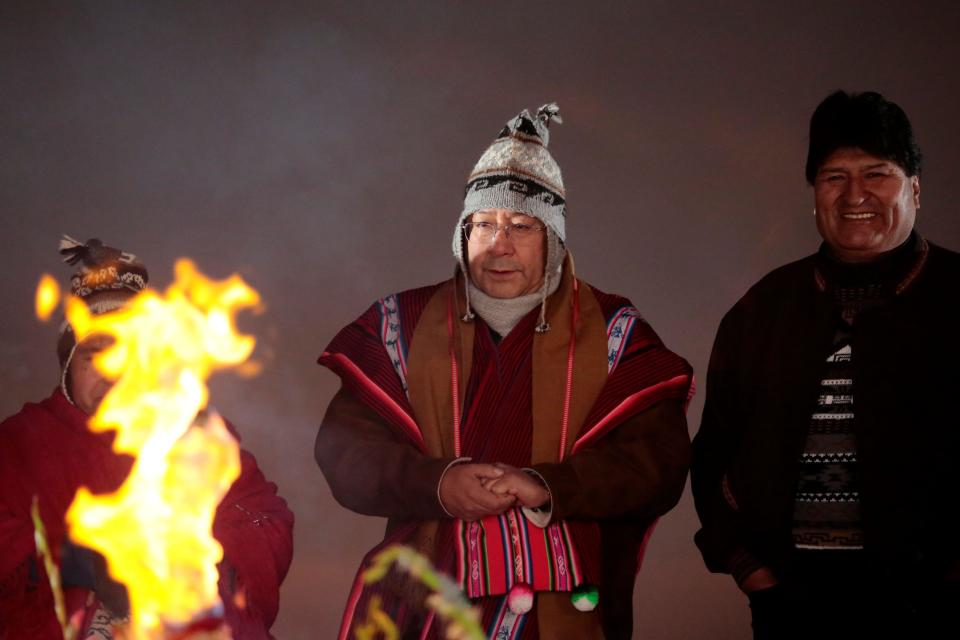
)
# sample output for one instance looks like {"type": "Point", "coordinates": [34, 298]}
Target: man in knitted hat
{"type": "Point", "coordinates": [48, 452]}
{"type": "Point", "coordinates": [825, 467]}
{"type": "Point", "coordinates": [518, 426]}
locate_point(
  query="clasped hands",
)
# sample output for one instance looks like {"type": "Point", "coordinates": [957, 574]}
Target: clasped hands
{"type": "Point", "coordinates": [472, 491]}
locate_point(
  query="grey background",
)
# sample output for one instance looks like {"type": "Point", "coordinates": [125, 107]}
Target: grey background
{"type": "Point", "coordinates": [320, 150]}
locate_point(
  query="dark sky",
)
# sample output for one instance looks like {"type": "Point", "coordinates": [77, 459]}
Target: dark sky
{"type": "Point", "coordinates": [320, 150]}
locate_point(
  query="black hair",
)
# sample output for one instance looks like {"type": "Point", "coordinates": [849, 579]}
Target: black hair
{"type": "Point", "coordinates": [867, 121]}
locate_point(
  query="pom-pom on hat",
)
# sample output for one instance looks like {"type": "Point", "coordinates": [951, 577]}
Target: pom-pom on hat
{"type": "Point", "coordinates": [106, 279]}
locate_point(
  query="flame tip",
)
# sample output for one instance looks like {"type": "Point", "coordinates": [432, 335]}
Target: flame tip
{"type": "Point", "coordinates": [47, 297]}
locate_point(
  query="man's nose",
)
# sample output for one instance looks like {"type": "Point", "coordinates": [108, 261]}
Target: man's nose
{"type": "Point", "coordinates": [502, 243]}
{"type": "Point", "coordinates": [854, 193]}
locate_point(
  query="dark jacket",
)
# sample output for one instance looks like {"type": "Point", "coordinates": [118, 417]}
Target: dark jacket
{"type": "Point", "coordinates": [762, 385]}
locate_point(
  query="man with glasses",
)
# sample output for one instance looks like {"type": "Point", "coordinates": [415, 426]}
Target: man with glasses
{"type": "Point", "coordinates": [521, 428]}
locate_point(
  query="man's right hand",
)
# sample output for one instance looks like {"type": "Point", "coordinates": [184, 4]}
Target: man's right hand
{"type": "Point", "coordinates": [463, 495]}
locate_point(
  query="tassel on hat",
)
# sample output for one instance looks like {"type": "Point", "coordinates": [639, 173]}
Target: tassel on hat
{"type": "Point", "coordinates": [71, 249]}
{"type": "Point", "coordinates": [92, 253]}
{"type": "Point", "coordinates": [548, 112]}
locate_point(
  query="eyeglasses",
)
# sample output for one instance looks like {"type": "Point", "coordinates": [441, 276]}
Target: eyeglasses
{"type": "Point", "coordinates": [486, 232]}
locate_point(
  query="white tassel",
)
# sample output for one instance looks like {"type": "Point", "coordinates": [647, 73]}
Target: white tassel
{"type": "Point", "coordinates": [543, 326]}
{"type": "Point", "coordinates": [469, 315]}
{"type": "Point", "coordinates": [66, 242]}
{"type": "Point", "coordinates": [71, 249]}
{"type": "Point", "coordinates": [68, 247]}
{"type": "Point", "coordinates": [549, 112]}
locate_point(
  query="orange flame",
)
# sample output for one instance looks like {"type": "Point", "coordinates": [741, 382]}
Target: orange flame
{"type": "Point", "coordinates": [47, 297]}
{"type": "Point", "coordinates": [155, 531]}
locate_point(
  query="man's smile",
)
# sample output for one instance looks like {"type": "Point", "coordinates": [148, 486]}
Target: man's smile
{"type": "Point", "coordinates": [859, 215]}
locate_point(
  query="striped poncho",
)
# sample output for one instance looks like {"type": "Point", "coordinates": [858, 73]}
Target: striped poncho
{"type": "Point", "coordinates": [441, 388]}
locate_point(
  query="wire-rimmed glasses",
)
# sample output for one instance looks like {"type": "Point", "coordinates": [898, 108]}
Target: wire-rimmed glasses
{"type": "Point", "coordinates": [486, 232]}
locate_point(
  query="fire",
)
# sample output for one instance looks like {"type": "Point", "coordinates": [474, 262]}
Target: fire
{"type": "Point", "coordinates": [48, 295]}
{"type": "Point", "coordinates": [155, 531]}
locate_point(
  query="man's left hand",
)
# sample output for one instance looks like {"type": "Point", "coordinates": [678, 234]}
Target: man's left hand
{"type": "Point", "coordinates": [514, 482]}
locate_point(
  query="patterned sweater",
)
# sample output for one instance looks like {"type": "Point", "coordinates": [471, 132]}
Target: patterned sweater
{"type": "Point", "coordinates": [826, 511]}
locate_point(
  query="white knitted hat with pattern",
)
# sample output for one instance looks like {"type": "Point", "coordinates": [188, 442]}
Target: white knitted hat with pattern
{"type": "Point", "coordinates": [517, 173]}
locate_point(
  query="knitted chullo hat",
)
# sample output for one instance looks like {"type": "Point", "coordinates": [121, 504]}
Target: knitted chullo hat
{"type": "Point", "coordinates": [106, 280]}
{"type": "Point", "coordinates": [518, 173]}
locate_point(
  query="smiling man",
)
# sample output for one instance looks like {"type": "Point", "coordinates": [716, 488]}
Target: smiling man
{"type": "Point", "coordinates": [824, 468]}
{"type": "Point", "coordinates": [866, 205]}
{"type": "Point", "coordinates": [518, 426]}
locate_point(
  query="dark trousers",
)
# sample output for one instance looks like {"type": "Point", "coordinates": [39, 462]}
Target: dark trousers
{"type": "Point", "coordinates": [827, 595]}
